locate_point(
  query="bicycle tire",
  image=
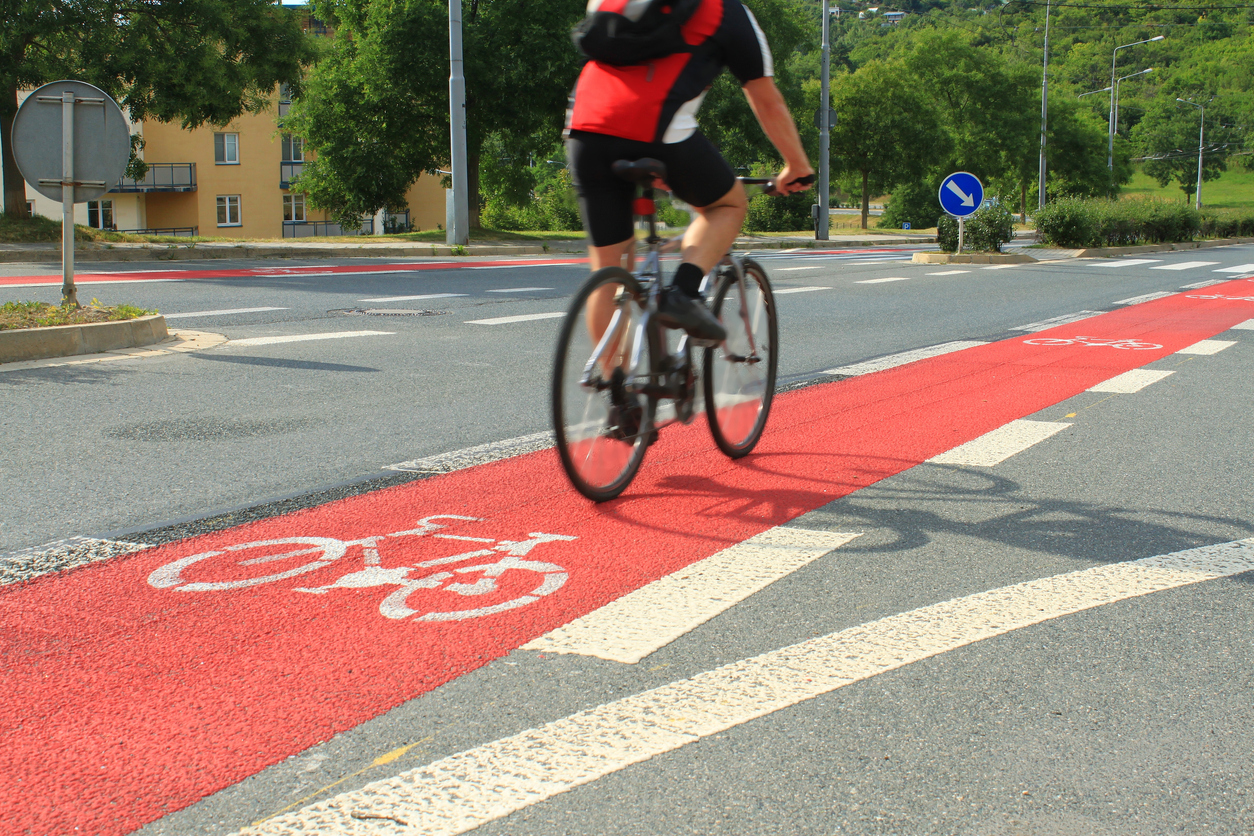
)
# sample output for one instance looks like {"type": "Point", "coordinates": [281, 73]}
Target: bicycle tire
{"type": "Point", "coordinates": [739, 375]}
{"type": "Point", "coordinates": [601, 445]}
{"type": "Point", "coordinates": [328, 550]}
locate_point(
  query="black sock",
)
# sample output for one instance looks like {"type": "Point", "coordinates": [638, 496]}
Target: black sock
{"type": "Point", "coordinates": [688, 279]}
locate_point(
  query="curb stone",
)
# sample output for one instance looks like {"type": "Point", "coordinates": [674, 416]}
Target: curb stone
{"type": "Point", "coordinates": [72, 340]}
{"type": "Point", "coordinates": [179, 342]}
{"type": "Point", "coordinates": [1161, 248]}
{"type": "Point", "coordinates": [971, 258]}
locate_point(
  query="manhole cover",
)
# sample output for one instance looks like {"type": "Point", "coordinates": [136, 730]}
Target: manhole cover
{"type": "Point", "coordinates": [388, 312]}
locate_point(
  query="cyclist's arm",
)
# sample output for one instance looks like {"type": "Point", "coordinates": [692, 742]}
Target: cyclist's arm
{"type": "Point", "coordinates": [776, 120]}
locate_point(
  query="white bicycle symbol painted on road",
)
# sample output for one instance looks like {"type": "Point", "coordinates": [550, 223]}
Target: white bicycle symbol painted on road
{"type": "Point", "coordinates": [1134, 345]}
{"type": "Point", "coordinates": [508, 575]}
{"type": "Point", "coordinates": [1218, 296]}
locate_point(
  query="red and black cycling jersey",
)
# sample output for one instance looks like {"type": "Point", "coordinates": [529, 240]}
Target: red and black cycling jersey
{"type": "Point", "coordinates": [658, 101]}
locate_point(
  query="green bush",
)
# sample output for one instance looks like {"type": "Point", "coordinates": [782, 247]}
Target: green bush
{"type": "Point", "coordinates": [1080, 223]}
{"type": "Point", "coordinates": [985, 230]}
{"type": "Point", "coordinates": [780, 214]}
{"type": "Point", "coordinates": [912, 203]}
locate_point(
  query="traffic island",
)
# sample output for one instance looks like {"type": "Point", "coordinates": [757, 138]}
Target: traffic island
{"type": "Point", "coordinates": [971, 258]}
{"type": "Point", "coordinates": [89, 338]}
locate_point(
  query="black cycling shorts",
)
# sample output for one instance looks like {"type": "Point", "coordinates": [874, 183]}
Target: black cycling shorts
{"type": "Point", "coordinates": [695, 171]}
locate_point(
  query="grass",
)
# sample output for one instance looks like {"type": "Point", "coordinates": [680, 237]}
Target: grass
{"type": "Point", "coordinates": [15, 315]}
{"type": "Point", "coordinates": [1233, 190]}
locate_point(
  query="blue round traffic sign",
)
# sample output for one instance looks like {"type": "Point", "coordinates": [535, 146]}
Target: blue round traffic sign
{"type": "Point", "coordinates": [961, 194]}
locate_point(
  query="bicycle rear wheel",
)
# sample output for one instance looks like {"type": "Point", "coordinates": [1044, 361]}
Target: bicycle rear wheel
{"type": "Point", "coordinates": [739, 378]}
{"type": "Point", "coordinates": [601, 417]}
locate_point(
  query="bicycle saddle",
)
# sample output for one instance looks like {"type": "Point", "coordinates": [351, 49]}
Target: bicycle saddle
{"type": "Point", "coordinates": [642, 172]}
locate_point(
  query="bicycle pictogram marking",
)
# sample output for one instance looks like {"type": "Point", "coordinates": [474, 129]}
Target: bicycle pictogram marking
{"type": "Point", "coordinates": [498, 575]}
{"type": "Point", "coordinates": [1220, 296]}
{"type": "Point", "coordinates": [1134, 345]}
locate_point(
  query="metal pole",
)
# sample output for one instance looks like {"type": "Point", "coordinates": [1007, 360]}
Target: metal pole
{"type": "Point", "coordinates": [459, 232]}
{"type": "Point", "coordinates": [1110, 146]}
{"type": "Point", "coordinates": [961, 230]}
{"type": "Point", "coordinates": [825, 132]}
{"type": "Point", "coordinates": [1040, 191]}
{"type": "Point", "coordinates": [1200, 132]}
{"type": "Point", "coordinates": [69, 293]}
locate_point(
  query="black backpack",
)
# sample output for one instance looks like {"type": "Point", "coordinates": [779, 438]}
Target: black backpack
{"type": "Point", "coordinates": [646, 29]}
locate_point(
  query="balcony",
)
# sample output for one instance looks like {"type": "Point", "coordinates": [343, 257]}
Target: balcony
{"type": "Point", "coordinates": [312, 229]}
{"type": "Point", "coordinates": [288, 171]}
{"type": "Point", "coordinates": [162, 177]}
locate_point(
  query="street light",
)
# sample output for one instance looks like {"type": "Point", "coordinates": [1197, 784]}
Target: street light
{"type": "Point", "coordinates": [1110, 148]}
{"type": "Point", "coordinates": [1040, 190]}
{"type": "Point", "coordinates": [1117, 81]}
{"type": "Point", "coordinates": [1200, 131]}
{"type": "Point", "coordinates": [1091, 92]}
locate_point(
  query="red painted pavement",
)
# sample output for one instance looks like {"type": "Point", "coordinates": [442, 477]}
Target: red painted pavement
{"type": "Point", "coordinates": [122, 702]}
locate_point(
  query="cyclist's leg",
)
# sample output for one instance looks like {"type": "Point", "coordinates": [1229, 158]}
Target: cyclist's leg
{"type": "Point", "coordinates": [704, 180]}
{"type": "Point", "coordinates": [715, 229]}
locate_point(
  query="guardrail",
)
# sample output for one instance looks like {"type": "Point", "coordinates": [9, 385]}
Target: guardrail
{"type": "Point", "coordinates": [178, 231]}
{"type": "Point", "coordinates": [311, 229]}
{"type": "Point", "coordinates": [162, 177]}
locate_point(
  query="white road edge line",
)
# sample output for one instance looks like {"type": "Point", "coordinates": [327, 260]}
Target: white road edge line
{"type": "Point", "coordinates": [1148, 297]}
{"type": "Point", "coordinates": [790, 269]}
{"type": "Point", "coordinates": [641, 622]}
{"type": "Point", "coordinates": [60, 555]}
{"type": "Point", "coordinates": [1206, 347]}
{"type": "Point", "coordinates": [479, 454]}
{"type": "Point", "coordinates": [517, 289]}
{"type": "Point", "coordinates": [894, 360]}
{"type": "Point", "coordinates": [220, 313]}
{"type": "Point", "coordinates": [781, 291]}
{"type": "Point", "coordinates": [412, 298]}
{"type": "Point", "coordinates": [463, 791]}
{"type": "Point", "coordinates": [300, 338]}
{"type": "Point", "coordinates": [995, 447]}
{"type": "Point", "coordinates": [1046, 324]}
{"type": "Point", "coordinates": [1207, 283]}
{"type": "Point", "coordinates": [505, 320]}
{"type": "Point", "coordinates": [948, 272]}
{"type": "Point", "coordinates": [881, 281]}
{"type": "Point", "coordinates": [1129, 382]}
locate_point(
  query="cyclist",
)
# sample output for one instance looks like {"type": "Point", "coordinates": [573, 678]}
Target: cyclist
{"type": "Point", "coordinates": [649, 110]}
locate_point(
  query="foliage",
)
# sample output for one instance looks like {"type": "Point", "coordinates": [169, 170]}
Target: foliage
{"type": "Point", "coordinates": [43, 315]}
{"type": "Point", "coordinates": [1075, 222]}
{"type": "Point", "coordinates": [914, 203]}
{"type": "Point", "coordinates": [984, 231]}
{"type": "Point", "coordinates": [779, 214]}
{"type": "Point", "coordinates": [195, 61]}
{"type": "Point", "coordinates": [550, 205]}
{"type": "Point", "coordinates": [1169, 134]}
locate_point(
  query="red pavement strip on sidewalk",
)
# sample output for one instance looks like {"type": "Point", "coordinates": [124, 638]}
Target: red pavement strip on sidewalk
{"type": "Point", "coordinates": [123, 701]}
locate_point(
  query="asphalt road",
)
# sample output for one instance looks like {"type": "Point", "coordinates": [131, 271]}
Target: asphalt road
{"type": "Point", "coordinates": [1132, 717]}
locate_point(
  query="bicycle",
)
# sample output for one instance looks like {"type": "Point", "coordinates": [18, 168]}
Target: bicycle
{"type": "Point", "coordinates": [611, 373]}
{"type": "Point", "coordinates": [1130, 344]}
{"type": "Point", "coordinates": [482, 582]}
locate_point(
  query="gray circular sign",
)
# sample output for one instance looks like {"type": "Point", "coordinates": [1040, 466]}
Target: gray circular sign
{"type": "Point", "coordinates": [102, 142]}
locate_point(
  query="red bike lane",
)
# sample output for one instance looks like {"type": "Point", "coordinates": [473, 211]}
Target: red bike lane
{"type": "Point", "coordinates": [135, 687]}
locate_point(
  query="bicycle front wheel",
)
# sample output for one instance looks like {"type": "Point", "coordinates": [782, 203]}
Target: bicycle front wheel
{"type": "Point", "coordinates": [739, 378]}
{"type": "Point", "coordinates": [602, 417]}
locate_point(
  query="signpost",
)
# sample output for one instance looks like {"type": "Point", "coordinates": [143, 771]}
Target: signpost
{"type": "Point", "coordinates": [961, 194]}
{"type": "Point", "coordinates": [89, 161]}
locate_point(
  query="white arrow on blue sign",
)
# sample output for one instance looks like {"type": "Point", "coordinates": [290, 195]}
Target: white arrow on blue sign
{"type": "Point", "coordinates": [961, 194]}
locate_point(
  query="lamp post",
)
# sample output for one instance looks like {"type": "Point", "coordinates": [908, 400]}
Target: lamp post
{"type": "Point", "coordinates": [1091, 92]}
{"type": "Point", "coordinates": [1200, 132]}
{"type": "Point", "coordinates": [1040, 190]}
{"type": "Point", "coordinates": [1110, 147]}
{"type": "Point", "coordinates": [458, 231]}
{"type": "Point", "coordinates": [822, 223]}
{"type": "Point", "coordinates": [1117, 82]}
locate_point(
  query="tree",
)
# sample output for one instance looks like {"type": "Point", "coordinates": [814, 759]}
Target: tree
{"type": "Point", "coordinates": [887, 132]}
{"type": "Point", "coordinates": [196, 61]}
{"type": "Point", "coordinates": [1168, 136]}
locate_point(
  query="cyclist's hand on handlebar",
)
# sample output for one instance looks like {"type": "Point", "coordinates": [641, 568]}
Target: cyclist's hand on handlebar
{"type": "Point", "coordinates": [792, 179]}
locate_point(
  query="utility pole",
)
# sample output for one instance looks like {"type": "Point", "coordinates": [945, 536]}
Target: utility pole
{"type": "Point", "coordinates": [825, 131]}
{"type": "Point", "coordinates": [1040, 191]}
{"type": "Point", "coordinates": [459, 231]}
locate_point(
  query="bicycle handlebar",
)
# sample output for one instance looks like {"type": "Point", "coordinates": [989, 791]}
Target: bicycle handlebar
{"type": "Point", "coordinates": [768, 183]}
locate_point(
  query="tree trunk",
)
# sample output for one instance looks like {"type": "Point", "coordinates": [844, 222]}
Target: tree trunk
{"type": "Point", "coordinates": [14, 186]}
{"type": "Point", "coordinates": [866, 199]}
{"type": "Point", "coordinates": [1023, 203]}
{"type": "Point", "coordinates": [472, 178]}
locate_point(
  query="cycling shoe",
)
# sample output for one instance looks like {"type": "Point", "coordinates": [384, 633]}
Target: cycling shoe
{"type": "Point", "coordinates": [679, 310]}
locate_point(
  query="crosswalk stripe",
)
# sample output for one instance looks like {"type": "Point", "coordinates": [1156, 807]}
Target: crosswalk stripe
{"type": "Point", "coordinates": [463, 791]}
{"type": "Point", "coordinates": [517, 289]}
{"type": "Point", "coordinates": [1240, 268]}
{"type": "Point", "coordinates": [219, 313]}
{"type": "Point", "coordinates": [300, 338]}
{"type": "Point", "coordinates": [1184, 265]}
{"type": "Point", "coordinates": [1248, 325]}
{"type": "Point", "coordinates": [791, 269]}
{"type": "Point", "coordinates": [1131, 262]}
{"type": "Point", "coordinates": [1129, 382]}
{"type": "Point", "coordinates": [881, 281]}
{"type": "Point", "coordinates": [784, 290]}
{"type": "Point", "coordinates": [1206, 347]}
{"type": "Point", "coordinates": [411, 298]}
{"type": "Point", "coordinates": [1000, 444]}
{"type": "Point", "coordinates": [629, 629]}
{"type": "Point", "coordinates": [948, 272]}
{"type": "Point", "coordinates": [505, 320]}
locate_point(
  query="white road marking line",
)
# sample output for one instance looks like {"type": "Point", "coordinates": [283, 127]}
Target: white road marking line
{"type": "Point", "coordinates": [412, 298]}
{"type": "Point", "coordinates": [477, 455]}
{"type": "Point", "coordinates": [877, 261]}
{"type": "Point", "coordinates": [1148, 297]}
{"type": "Point", "coordinates": [1130, 262]}
{"type": "Point", "coordinates": [517, 289]}
{"type": "Point", "coordinates": [790, 269]}
{"type": "Point", "coordinates": [60, 555]}
{"type": "Point", "coordinates": [1046, 324]}
{"type": "Point", "coordinates": [220, 313]}
{"type": "Point", "coordinates": [1000, 444]}
{"type": "Point", "coordinates": [779, 291]}
{"type": "Point", "coordinates": [1184, 265]}
{"type": "Point", "coordinates": [463, 791]}
{"type": "Point", "coordinates": [641, 622]}
{"type": "Point", "coordinates": [1207, 283]}
{"type": "Point", "coordinates": [300, 338]}
{"type": "Point", "coordinates": [999, 266]}
{"type": "Point", "coordinates": [1248, 325]}
{"type": "Point", "coordinates": [881, 281]}
{"type": "Point", "coordinates": [1129, 382]}
{"type": "Point", "coordinates": [894, 360]}
{"type": "Point", "coordinates": [505, 320]}
{"type": "Point", "coordinates": [515, 266]}
{"type": "Point", "coordinates": [1207, 347]}
{"type": "Point", "coordinates": [91, 282]}
{"type": "Point", "coordinates": [1240, 268]}
{"type": "Point", "coordinates": [948, 272]}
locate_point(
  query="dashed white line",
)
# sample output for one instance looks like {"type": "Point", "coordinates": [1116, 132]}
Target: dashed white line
{"type": "Point", "coordinates": [517, 289]}
{"type": "Point", "coordinates": [999, 266]}
{"type": "Point", "coordinates": [948, 272]}
{"type": "Point", "coordinates": [1207, 347]}
{"type": "Point", "coordinates": [463, 791]}
{"type": "Point", "coordinates": [412, 298]}
{"type": "Point", "coordinates": [505, 320]}
{"type": "Point", "coordinates": [779, 291]}
{"type": "Point", "coordinates": [1248, 325]}
{"type": "Point", "coordinates": [894, 360]}
{"type": "Point", "coordinates": [220, 313]}
{"type": "Point", "coordinates": [300, 338]}
{"type": "Point", "coordinates": [629, 629]}
{"type": "Point", "coordinates": [995, 447]}
{"type": "Point", "coordinates": [1240, 268]}
{"type": "Point", "coordinates": [790, 269]}
{"type": "Point", "coordinates": [1207, 283]}
{"type": "Point", "coordinates": [1129, 382]}
{"type": "Point", "coordinates": [1184, 265]}
{"type": "Point", "coordinates": [1046, 324]}
{"type": "Point", "coordinates": [881, 281]}
{"type": "Point", "coordinates": [1130, 262]}
{"type": "Point", "coordinates": [1148, 297]}
{"type": "Point", "coordinates": [477, 455]}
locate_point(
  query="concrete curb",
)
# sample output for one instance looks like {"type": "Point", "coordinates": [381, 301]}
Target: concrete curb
{"type": "Point", "coordinates": [1161, 248]}
{"type": "Point", "coordinates": [811, 244]}
{"type": "Point", "coordinates": [971, 258]}
{"type": "Point", "coordinates": [71, 340]}
{"type": "Point", "coordinates": [201, 252]}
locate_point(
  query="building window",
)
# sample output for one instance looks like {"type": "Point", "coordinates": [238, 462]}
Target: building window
{"type": "Point", "coordinates": [293, 149]}
{"type": "Point", "coordinates": [226, 149]}
{"type": "Point", "coordinates": [294, 208]}
{"type": "Point", "coordinates": [30, 208]}
{"type": "Point", "coordinates": [285, 92]}
{"type": "Point", "coordinates": [100, 214]}
{"type": "Point", "coordinates": [228, 210]}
